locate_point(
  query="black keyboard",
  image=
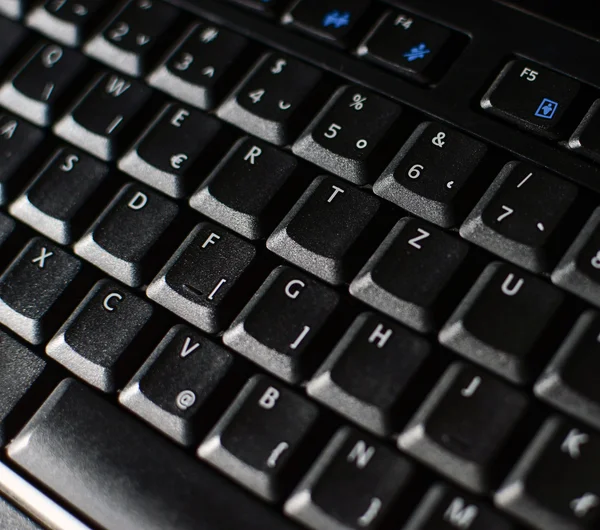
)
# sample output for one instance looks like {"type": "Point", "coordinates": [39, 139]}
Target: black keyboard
{"type": "Point", "coordinates": [284, 264]}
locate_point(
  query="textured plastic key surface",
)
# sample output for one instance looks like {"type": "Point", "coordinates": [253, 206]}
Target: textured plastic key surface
{"type": "Point", "coordinates": [20, 370]}
{"type": "Point", "coordinates": [11, 36]}
{"type": "Point", "coordinates": [569, 382]}
{"type": "Point", "coordinates": [430, 175]}
{"type": "Point", "coordinates": [464, 426]}
{"type": "Point", "coordinates": [11, 517]}
{"type": "Point", "coordinates": [523, 217]}
{"type": "Point", "coordinates": [368, 376]}
{"type": "Point", "coordinates": [505, 322]}
{"type": "Point", "coordinates": [96, 341]}
{"type": "Point", "coordinates": [347, 135]}
{"type": "Point", "coordinates": [325, 232]}
{"type": "Point", "coordinates": [56, 201]}
{"type": "Point", "coordinates": [204, 282]}
{"type": "Point", "coordinates": [531, 97]}
{"type": "Point", "coordinates": [18, 140]}
{"type": "Point", "coordinates": [173, 153]}
{"type": "Point", "coordinates": [326, 19]}
{"type": "Point", "coordinates": [250, 190]}
{"type": "Point", "coordinates": [556, 483]}
{"type": "Point", "coordinates": [579, 269]}
{"type": "Point", "coordinates": [132, 39]}
{"type": "Point", "coordinates": [118, 483]}
{"type": "Point", "coordinates": [261, 436]}
{"type": "Point", "coordinates": [355, 483]}
{"type": "Point", "coordinates": [37, 89]}
{"type": "Point", "coordinates": [412, 273]}
{"type": "Point", "coordinates": [66, 21]}
{"type": "Point", "coordinates": [445, 508]}
{"type": "Point", "coordinates": [31, 289]}
{"type": "Point", "coordinates": [123, 239]}
{"type": "Point", "coordinates": [407, 44]}
{"type": "Point", "coordinates": [273, 100]}
{"type": "Point", "coordinates": [171, 391]}
{"type": "Point", "coordinates": [202, 66]}
{"type": "Point", "coordinates": [99, 121]}
{"type": "Point", "coordinates": [278, 327]}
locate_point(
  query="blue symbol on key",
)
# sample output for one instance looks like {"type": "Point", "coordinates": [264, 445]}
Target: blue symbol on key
{"type": "Point", "coordinates": [547, 109]}
{"type": "Point", "coordinates": [417, 52]}
{"type": "Point", "coordinates": [336, 19]}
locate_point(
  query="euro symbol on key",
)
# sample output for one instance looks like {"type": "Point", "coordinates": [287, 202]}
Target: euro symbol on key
{"type": "Point", "coordinates": [178, 160]}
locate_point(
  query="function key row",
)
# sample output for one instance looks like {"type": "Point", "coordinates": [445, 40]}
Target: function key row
{"type": "Point", "coordinates": [131, 37]}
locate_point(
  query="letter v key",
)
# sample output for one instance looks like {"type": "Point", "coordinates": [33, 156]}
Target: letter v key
{"type": "Point", "coordinates": [186, 350]}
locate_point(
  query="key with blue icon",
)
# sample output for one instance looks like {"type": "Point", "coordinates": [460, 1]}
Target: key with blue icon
{"type": "Point", "coordinates": [532, 97]}
{"type": "Point", "coordinates": [331, 20]}
{"type": "Point", "coordinates": [409, 45]}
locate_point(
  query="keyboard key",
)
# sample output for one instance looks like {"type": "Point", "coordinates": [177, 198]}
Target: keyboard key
{"type": "Point", "coordinates": [561, 455]}
{"type": "Point", "coordinates": [57, 203]}
{"type": "Point", "coordinates": [65, 21]}
{"type": "Point", "coordinates": [7, 227]}
{"type": "Point", "coordinates": [261, 436]}
{"type": "Point", "coordinates": [205, 281]}
{"type": "Point", "coordinates": [432, 173]}
{"type": "Point", "coordinates": [32, 289]}
{"type": "Point", "coordinates": [135, 466]}
{"type": "Point", "coordinates": [39, 85]}
{"type": "Point", "coordinates": [132, 39]}
{"type": "Point", "coordinates": [326, 19]}
{"type": "Point", "coordinates": [273, 100]}
{"type": "Point", "coordinates": [579, 270]}
{"type": "Point", "coordinates": [172, 390]}
{"type": "Point", "coordinates": [412, 275]}
{"type": "Point", "coordinates": [202, 66]}
{"type": "Point", "coordinates": [465, 426]}
{"type": "Point", "coordinates": [278, 327]}
{"type": "Point", "coordinates": [14, 9]}
{"type": "Point", "coordinates": [531, 97]}
{"type": "Point", "coordinates": [368, 376]}
{"type": "Point", "coordinates": [407, 44]}
{"type": "Point", "coordinates": [100, 121]}
{"type": "Point", "coordinates": [445, 508]}
{"type": "Point", "coordinates": [523, 216]}
{"type": "Point", "coordinates": [174, 149]}
{"type": "Point", "coordinates": [325, 231]}
{"type": "Point", "coordinates": [505, 322]}
{"type": "Point", "coordinates": [97, 341]}
{"type": "Point", "coordinates": [569, 381]}
{"type": "Point", "coordinates": [18, 141]}
{"type": "Point", "coordinates": [267, 8]}
{"type": "Point", "coordinates": [11, 37]}
{"type": "Point", "coordinates": [346, 137]}
{"type": "Point", "coordinates": [20, 373]}
{"type": "Point", "coordinates": [232, 196]}
{"type": "Point", "coordinates": [355, 483]}
{"type": "Point", "coordinates": [10, 517]}
{"type": "Point", "coordinates": [586, 138]}
{"type": "Point", "coordinates": [123, 241]}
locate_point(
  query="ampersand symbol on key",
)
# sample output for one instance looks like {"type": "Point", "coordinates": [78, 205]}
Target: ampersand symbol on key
{"type": "Point", "coordinates": [438, 140]}
{"type": "Point", "coordinates": [596, 261]}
